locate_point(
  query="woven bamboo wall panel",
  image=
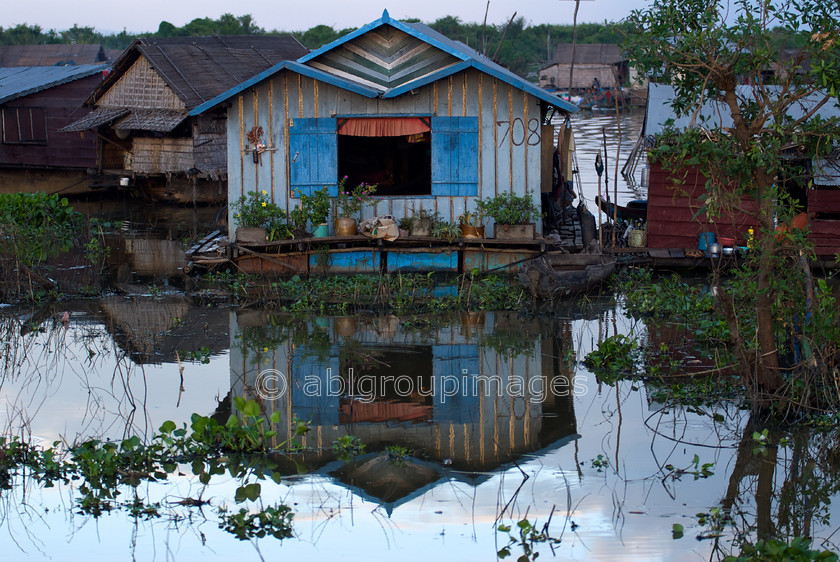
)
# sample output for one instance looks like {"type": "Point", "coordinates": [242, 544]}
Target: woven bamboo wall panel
{"type": "Point", "coordinates": [159, 156]}
{"type": "Point", "coordinates": [211, 152]}
{"type": "Point", "coordinates": [141, 86]}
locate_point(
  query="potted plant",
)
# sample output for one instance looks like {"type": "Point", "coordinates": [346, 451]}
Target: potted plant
{"type": "Point", "coordinates": [444, 230]}
{"type": "Point", "coordinates": [513, 214]}
{"type": "Point", "coordinates": [254, 214]}
{"type": "Point", "coordinates": [348, 203]}
{"type": "Point", "coordinates": [316, 208]}
{"type": "Point", "coordinates": [420, 223]}
{"type": "Point", "coordinates": [472, 224]}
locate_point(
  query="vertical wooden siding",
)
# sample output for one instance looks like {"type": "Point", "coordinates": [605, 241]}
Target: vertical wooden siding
{"type": "Point", "coordinates": [509, 134]}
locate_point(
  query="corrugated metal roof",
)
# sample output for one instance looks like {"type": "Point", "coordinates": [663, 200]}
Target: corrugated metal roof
{"type": "Point", "coordinates": [714, 114]}
{"type": "Point", "coordinates": [826, 172]}
{"type": "Point", "coordinates": [160, 120]}
{"type": "Point", "coordinates": [95, 118]}
{"type": "Point", "coordinates": [17, 82]}
{"type": "Point", "coordinates": [51, 55]}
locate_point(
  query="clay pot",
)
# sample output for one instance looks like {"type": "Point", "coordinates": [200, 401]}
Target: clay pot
{"type": "Point", "coordinates": [346, 226]}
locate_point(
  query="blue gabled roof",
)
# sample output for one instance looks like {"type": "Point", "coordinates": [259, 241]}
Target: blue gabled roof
{"type": "Point", "coordinates": [290, 65]}
{"type": "Point", "coordinates": [469, 59]}
{"type": "Point", "coordinates": [435, 39]}
{"type": "Point", "coordinates": [17, 82]}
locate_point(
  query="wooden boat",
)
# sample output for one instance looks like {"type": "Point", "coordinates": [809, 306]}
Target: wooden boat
{"type": "Point", "coordinates": [554, 275]}
{"type": "Point", "coordinates": [634, 210]}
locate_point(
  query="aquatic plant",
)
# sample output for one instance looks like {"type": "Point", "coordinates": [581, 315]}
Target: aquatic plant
{"type": "Point", "coordinates": [526, 537]}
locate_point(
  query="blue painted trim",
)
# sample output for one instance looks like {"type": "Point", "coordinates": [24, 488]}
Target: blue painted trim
{"type": "Point", "coordinates": [428, 79]}
{"type": "Point", "coordinates": [383, 115]}
{"type": "Point", "coordinates": [517, 82]}
{"type": "Point", "coordinates": [385, 20]}
{"type": "Point", "coordinates": [294, 67]}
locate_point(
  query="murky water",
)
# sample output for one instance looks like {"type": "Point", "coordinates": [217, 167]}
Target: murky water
{"type": "Point", "coordinates": [469, 421]}
{"type": "Point", "coordinates": [497, 416]}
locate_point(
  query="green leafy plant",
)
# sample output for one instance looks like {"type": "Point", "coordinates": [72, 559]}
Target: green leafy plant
{"type": "Point", "coordinates": [526, 536]}
{"type": "Point", "coordinates": [509, 208]}
{"type": "Point", "coordinates": [347, 447]}
{"type": "Point", "coordinates": [316, 205]}
{"type": "Point", "coordinates": [274, 521]}
{"type": "Point", "coordinates": [255, 209]}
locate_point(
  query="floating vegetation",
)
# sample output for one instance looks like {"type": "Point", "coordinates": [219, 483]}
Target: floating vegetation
{"type": "Point", "coordinates": [106, 470]}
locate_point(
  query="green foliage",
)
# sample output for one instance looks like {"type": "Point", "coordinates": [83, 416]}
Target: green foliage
{"type": "Point", "coordinates": [255, 209]}
{"type": "Point", "coordinates": [346, 447]}
{"type": "Point", "coordinates": [509, 208]}
{"type": "Point", "coordinates": [37, 225]}
{"type": "Point", "coordinates": [773, 550]}
{"type": "Point", "coordinates": [616, 357]}
{"type": "Point", "coordinates": [526, 536]}
{"type": "Point", "coordinates": [274, 521]}
{"type": "Point", "coordinates": [446, 230]}
{"type": "Point", "coordinates": [600, 463]}
{"type": "Point", "coordinates": [316, 206]}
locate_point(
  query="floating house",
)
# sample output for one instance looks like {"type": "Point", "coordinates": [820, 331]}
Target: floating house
{"type": "Point", "coordinates": [604, 62]}
{"type": "Point", "coordinates": [150, 137]}
{"type": "Point", "coordinates": [673, 218]}
{"type": "Point", "coordinates": [36, 102]}
{"type": "Point", "coordinates": [433, 123]}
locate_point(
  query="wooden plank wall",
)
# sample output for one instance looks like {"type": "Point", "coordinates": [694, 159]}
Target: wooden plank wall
{"type": "Point", "coordinates": [63, 150]}
{"type": "Point", "coordinates": [825, 229]}
{"type": "Point", "coordinates": [509, 134]}
{"type": "Point", "coordinates": [671, 220]}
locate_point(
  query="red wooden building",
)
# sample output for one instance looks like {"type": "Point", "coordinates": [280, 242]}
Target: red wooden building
{"type": "Point", "coordinates": [673, 218]}
{"type": "Point", "coordinates": [35, 102]}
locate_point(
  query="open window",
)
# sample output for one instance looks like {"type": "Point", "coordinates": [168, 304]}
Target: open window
{"type": "Point", "coordinates": [395, 153]}
{"type": "Point", "coordinates": [403, 156]}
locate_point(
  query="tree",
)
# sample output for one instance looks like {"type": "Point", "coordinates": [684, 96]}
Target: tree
{"type": "Point", "coordinates": [716, 51]}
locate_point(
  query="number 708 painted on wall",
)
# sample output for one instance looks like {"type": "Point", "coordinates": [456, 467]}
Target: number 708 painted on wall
{"type": "Point", "coordinates": [519, 134]}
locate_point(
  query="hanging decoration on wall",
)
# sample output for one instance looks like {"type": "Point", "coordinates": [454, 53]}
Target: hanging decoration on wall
{"type": "Point", "coordinates": [256, 144]}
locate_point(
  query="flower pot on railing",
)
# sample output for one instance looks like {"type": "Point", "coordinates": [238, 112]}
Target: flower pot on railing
{"type": "Point", "coordinates": [515, 231]}
{"type": "Point", "coordinates": [421, 227]}
{"type": "Point", "coordinates": [321, 231]}
{"type": "Point", "coordinates": [470, 231]}
{"type": "Point", "coordinates": [250, 235]}
{"type": "Point", "coordinates": [346, 226]}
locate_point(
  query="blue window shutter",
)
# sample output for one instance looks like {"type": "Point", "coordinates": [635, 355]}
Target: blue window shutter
{"type": "Point", "coordinates": [313, 155]}
{"type": "Point", "coordinates": [455, 156]}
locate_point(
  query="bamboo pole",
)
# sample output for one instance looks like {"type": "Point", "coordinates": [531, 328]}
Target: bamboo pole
{"type": "Point", "coordinates": [599, 170]}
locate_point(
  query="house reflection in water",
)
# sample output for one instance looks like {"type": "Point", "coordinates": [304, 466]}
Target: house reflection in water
{"type": "Point", "coordinates": [474, 391]}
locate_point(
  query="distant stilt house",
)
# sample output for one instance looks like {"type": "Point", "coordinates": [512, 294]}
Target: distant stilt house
{"type": "Point", "coordinates": [603, 63]}
{"type": "Point", "coordinates": [433, 123]}
{"type": "Point", "coordinates": [35, 103]}
{"type": "Point", "coordinates": [148, 137]}
{"type": "Point", "coordinates": [673, 218]}
{"type": "Point", "coordinates": [51, 55]}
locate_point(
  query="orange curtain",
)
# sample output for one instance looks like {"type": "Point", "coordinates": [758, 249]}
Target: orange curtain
{"type": "Point", "coordinates": [383, 126]}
